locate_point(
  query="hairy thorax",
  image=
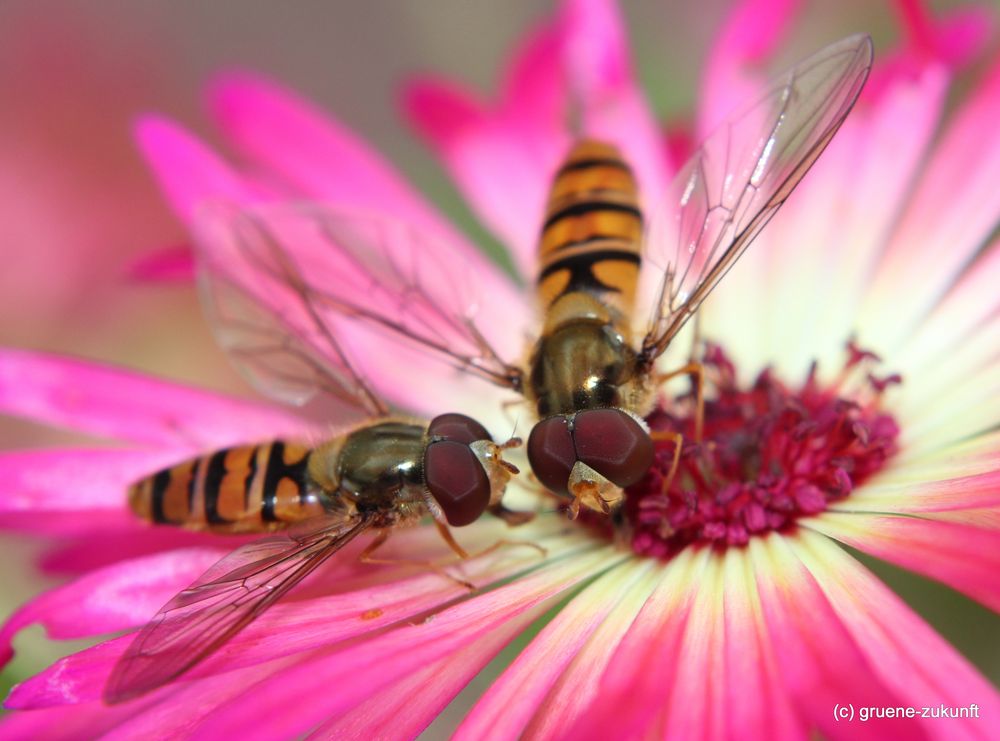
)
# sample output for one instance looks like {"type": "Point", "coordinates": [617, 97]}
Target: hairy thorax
{"type": "Point", "coordinates": [377, 467]}
{"type": "Point", "coordinates": [583, 360]}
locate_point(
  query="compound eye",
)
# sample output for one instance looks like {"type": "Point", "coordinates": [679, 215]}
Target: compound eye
{"type": "Point", "coordinates": [551, 453]}
{"type": "Point", "coordinates": [457, 481]}
{"type": "Point", "coordinates": [613, 444]}
{"type": "Point", "coordinates": [457, 428]}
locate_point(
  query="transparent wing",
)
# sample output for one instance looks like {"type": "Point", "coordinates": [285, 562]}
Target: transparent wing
{"type": "Point", "coordinates": [341, 270]}
{"type": "Point", "coordinates": [258, 304]}
{"type": "Point", "coordinates": [221, 603]}
{"type": "Point", "coordinates": [737, 179]}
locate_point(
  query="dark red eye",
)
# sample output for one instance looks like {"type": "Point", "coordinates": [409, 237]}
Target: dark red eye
{"type": "Point", "coordinates": [457, 481]}
{"type": "Point", "coordinates": [613, 444]}
{"type": "Point", "coordinates": [458, 428]}
{"type": "Point", "coordinates": [551, 453]}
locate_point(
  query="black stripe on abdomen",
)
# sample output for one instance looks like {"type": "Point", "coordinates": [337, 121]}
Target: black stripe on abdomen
{"type": "Point", "coordinates": [277, 470]}
{"type": "Point", "coordinates": [160, 483]}
{"type": "Point", "coordinates": [586, 164]}
{"type": "Point", "coordinates": [580, 267]}
{"type": "Point", "coordinates": [213, 483]}
{"type": "Point", "coordinates": [589, 207]}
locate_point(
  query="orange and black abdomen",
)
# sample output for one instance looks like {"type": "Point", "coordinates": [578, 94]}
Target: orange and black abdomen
{"type": "Point", "coordinates": [242, 489]}
{"type": "Point", "coordinates": [592, 234]}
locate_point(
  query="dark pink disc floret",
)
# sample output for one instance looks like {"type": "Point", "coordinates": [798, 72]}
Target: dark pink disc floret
{"type": "Point", "coordinates": [770, 455]}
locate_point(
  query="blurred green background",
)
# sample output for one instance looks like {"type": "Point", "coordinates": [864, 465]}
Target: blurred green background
{"type": "Point", "coordinates": [76, 203]}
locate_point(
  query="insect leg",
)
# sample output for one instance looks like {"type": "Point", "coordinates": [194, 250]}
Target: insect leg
{"type": "Point", "coordinates": [678, 440]}
{"type": "Point", "coordinates": [504, 542]}
{"type": "Point", "coordinates": [697, 372]}
{"type": "Point", "coordinates": [512, 517]}
{"type": "Point", "coordinates": [366, 557]}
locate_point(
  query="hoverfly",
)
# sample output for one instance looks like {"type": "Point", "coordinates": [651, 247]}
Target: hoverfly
{"type": "Point", "coordinates": [588, 379]}
{"type": "Point", "coordinates": [381, 473]}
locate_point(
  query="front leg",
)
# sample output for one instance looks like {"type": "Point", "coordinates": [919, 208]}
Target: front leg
{"type": "Point", "coordinates": [697, 372]}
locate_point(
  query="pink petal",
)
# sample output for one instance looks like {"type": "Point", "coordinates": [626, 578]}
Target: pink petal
{"type": "Point", "coordinates": [904, 653]}
{"type": "Point", "coordinates": [407, 707]}
{"type": "Point", "coordinates": [956, 204]}
{"type": "Point", "coordinates": [974, 491]}
{"type": "Point", "coordinates": [501, 172]}
{"type": "Point", "coordinates": [706, 671]}
{"type": "Point", "coordinates": [320, 157]}
{"type": "Point", "coordinates": [81, 553]}
{"type": "Point", "coordinates": [957, 319]}
{"type": "Point", "coordinates": [359, 671]}
{"type": "Point", "coordinates": [110, 599]}
{"type": "Point", "coordinates": [188, 171]}
{"type": "Point", "coordinates": [170, 264]}
{"type": "Point", "coordinates": [818, 660]}
{"type": "Point", "coordinates": [597, 618]}
{"type": "Point", "coordinates": [350, 606]}
{"type": "Point", "coordinates": [965, 557]}
{"type": "Point", "coordinates": [70, 723]}
{"type": "Point", "coordinates": [109, 402]}
{"type": "Point", "coordinates": [72, 490]}
{"type": "Point", "coordinates": [750, 35]}
{"type": "Point", "coordinates": [955, 41]}
{"type": "Point", "coordinates": [641, 673]}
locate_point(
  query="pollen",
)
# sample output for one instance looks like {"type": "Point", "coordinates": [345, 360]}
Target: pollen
{"type": "Point", "coordinates": [770, 454]}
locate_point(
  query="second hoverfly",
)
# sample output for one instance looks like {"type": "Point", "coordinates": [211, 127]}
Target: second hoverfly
{"type": "Point", "coordinates": [590, 373]}
{"type": "Point", "coordinates": [381, 473]}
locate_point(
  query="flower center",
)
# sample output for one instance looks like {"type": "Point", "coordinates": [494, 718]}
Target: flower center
{"type": "Point", "coordinates": [769, 455]}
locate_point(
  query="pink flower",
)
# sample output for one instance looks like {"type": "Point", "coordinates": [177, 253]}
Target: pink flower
{"type": "Point", "coordinates": [732, 612]}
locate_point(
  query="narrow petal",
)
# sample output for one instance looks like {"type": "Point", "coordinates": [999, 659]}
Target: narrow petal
{"type": "Point", "coordinates": [641, 673]}
{"type": "Point", "coordinates": [340, 604]}
{"type": "Point", "coordinates": [72, 490]}
{"type": "Point", "coordinates": [600, 613]}
{"type": "Point", "coordinates": [78, 553]}
{"type": "Point", "coordinates": [962, 492]}
{"type": "Point", "coordinates": [956, 204]}
{"type": "Point", "coordinates": [819, 661]}
{"type": "Point", "coordinates": [321, 158]}
{"type": "Point", "coordinates": [501, 172]}
{"type": "Point", "coordinates": [188, 171]}
{"type": "Point", "coordinates": [69, 723]}
{"type": "Point", "coordinates": [904, 653]}
{"type": "Point", "coordinates": [108, 402]}
{"type": "Point", "coordinates": [963, 556]}
{"type": "Point", "coordinates": [406, 708]}
{"type": "Point", "coordinates": [750, 35]}
{"type": "Point", "coordinates": [358, 671]}
{"type": "Point", "coordinates": [956, 38]}
{"type": "Point", "coordinates": [110, 599]}
{"type": "Point", "coordinates": [955, 322]}
{"type": "Point", "coordinates": [170, 264]}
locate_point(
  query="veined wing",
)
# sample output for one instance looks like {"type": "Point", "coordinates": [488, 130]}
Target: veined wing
{"type": "Point", "coordinates": [222, 602]}
{"type": "Point", "coordinates": [369, 271]}
{"type": "Point", "coordinates": [738, 179]}
{"type": "Point", "coordinates": [258, 304]}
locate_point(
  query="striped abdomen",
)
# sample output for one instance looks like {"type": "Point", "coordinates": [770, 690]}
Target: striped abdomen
{"type": "Point", "coordinates": [593, 228]}
{"type": "Point", "coordinates": [243, 489]}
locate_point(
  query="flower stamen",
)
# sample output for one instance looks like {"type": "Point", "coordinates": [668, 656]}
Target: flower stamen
{"type": "Point", "coordinates": [771, 454]}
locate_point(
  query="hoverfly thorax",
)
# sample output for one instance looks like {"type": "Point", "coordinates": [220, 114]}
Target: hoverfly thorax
{"type": "Point", "coordinates": [583, 359]}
